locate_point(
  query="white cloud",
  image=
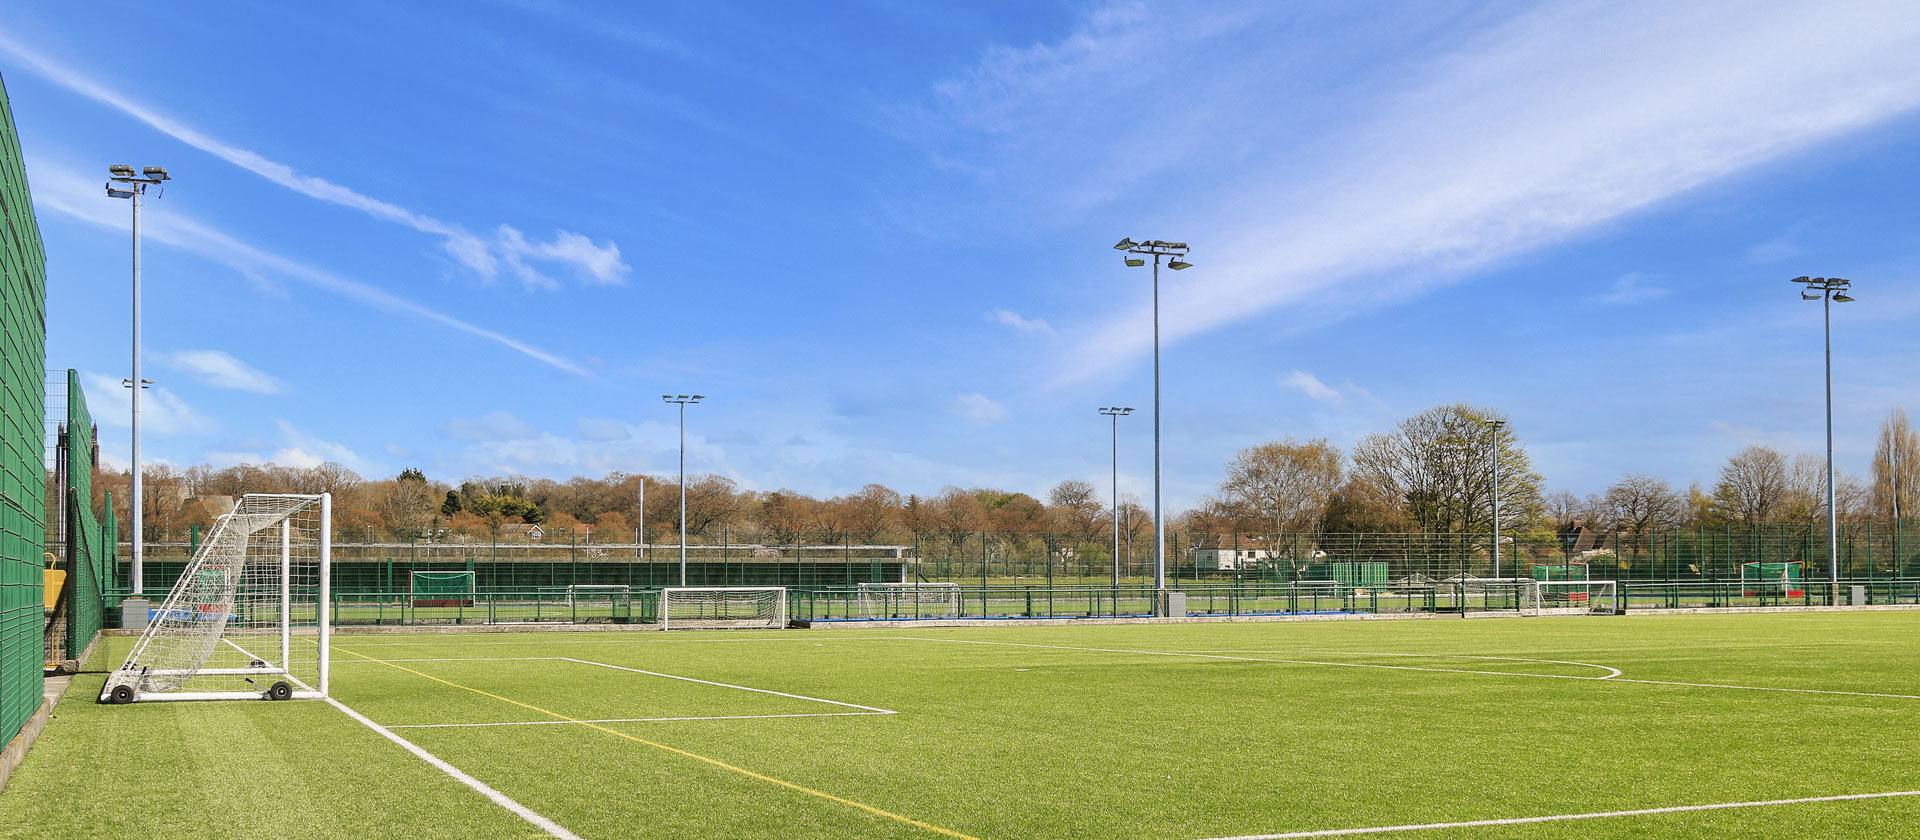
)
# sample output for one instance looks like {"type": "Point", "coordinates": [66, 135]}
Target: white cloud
{"type": "Point", "coordinates": [979, 408]}
{"type": "Point", "coordinates": [162, 412]}
{"type": "Point", "coordinates": [1307, 383]}
{"type": "Point", "coordinates": [601, 429]}
{"type": "Point", "coordinates": [220, 370]}
{"type": "Point", "coordinates": [1014, 320]}
{"type": "Point", "coordinates": [1631, 288]}
{"type": "Point", "coordinates": [65, 191]}
{"type": "Point", "coordinates": [598, 264]}
{"type": "Point", "coordinates": [306, 450]}
{"type": "Point", "coordinates": [1427, 166]}
{"type": "Point", "coordinates": [495, 426]}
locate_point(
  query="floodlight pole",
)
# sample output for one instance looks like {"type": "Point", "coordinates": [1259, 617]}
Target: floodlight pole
{"type": "Point", "coordinates": [1116, 413]}
{"type": "Point", "coordinates": [1177, 251]}
{"type": "Point", "coordinates": [1496, 425]}
{"type": "Point", "coordinates": [122, 183]}
{"type": "Point", "coordinates": [682, 400]}
{"type": "Point", "coordinates": [1829, 290]}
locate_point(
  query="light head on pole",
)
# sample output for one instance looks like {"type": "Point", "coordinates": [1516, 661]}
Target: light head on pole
{"type": "Point", "coordinates": [157, 173]}
{"type": "Point", "coordinates": [1136, 262]}
{"type": "Point", "coordinates": [118, 190]}
{"type": "Point", "coordinates": [1123, 245]}
{"type": "Point", "coordinates": [1841, 297]}
{"type": "Point", "coordinates": [120, 170]}
{"type": "Point", "coordinates": [1178, 264]}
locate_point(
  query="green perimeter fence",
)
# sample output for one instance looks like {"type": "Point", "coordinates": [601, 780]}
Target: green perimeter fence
{"type": "Point", "coordinates": [858, 603]}
{"type": "Point", "coordinates": [22, 411]}
{"type": "Point", "coordinates": [79, 542]}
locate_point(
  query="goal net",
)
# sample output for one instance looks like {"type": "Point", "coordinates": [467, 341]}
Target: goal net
{"type": "Point", "coordinates": [909, 600]}
{"type": "Point", "coordinates": [722, 607]}
{"type": "Point", "coordinates": [442, 589]}
{"type": "Point", "coordinates": [1570, 597]}
{"type": "Point", "coordinates": [245, 619]}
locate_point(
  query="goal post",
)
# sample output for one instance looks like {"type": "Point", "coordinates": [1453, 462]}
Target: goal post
{"type": "Point", "coordinates": [908, 600]}
{"type": "Point", "coordinates": [723, 607]}
{"type": "Point", "coordinates": [441, 589]}
{"type": "Point", "coordinates": [1571, 597]}
{"type": "Point", "coordinates": [247, 619]}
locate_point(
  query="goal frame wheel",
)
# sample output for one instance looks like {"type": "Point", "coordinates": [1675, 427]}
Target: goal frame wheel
{"type": "Point", "coordinates": [121, 695]}
{"type": "Point", "coordinates": [280, 691]}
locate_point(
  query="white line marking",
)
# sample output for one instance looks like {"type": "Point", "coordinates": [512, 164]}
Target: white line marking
{"type": "Point", "coordinates": [1677, 809]}
{"type": "Point", "coordinates": [634, 720]}
{"type": "Point", "coordinates": [1616, 671]}
{"type": "Point", "coordinates": [500, 799]}
{"type": "Point", "coordinates": [1613, 672]}
{"type": "Point", "coordinates": [1772, 688]}
{"type": "Point", "coordinates": [728, 685]}
{"type": "Point", "coordinates": [465, 659]}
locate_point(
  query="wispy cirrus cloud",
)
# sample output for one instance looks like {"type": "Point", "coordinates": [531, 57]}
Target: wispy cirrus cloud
{"type": "Point", "coordinates": [1015, 320]}
{"type": "Point", "coordinates": [221, 370]}
{"type": "Point", "coordinates": [1631, 288]}
{"type": "Point", "coordinates": [979, 408]}
{"type": "Point", "coordinates": [597, 263]}
{"type": "Point", "coordinates": [69, 193]}
{"type": "Point", "coordinates": [1459, 145]}
{"type": "Point", "coordinates": [162, 412]}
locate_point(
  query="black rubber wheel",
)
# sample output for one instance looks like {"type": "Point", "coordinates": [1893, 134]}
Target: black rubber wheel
{"type": "Point", "coordinates": [280, 691]}
{"type": "Point", "coordinates": [121, 695]}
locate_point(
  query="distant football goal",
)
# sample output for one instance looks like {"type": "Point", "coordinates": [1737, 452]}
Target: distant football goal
{"type": "Point", "coordinates": [909, 600]}
{"type": "Point", "coordinates": [245, 620]}
{"type": "Point", "coordinates": [723, 607]}
{"type": "Point", "coordinates": [441, 589]}
{"type": "Point", "coordinates": [1571, 597]}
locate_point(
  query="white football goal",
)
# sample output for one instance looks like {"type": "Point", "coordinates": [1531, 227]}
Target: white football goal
{"type": "Point", "coordinates": [1571, 597]}
{"type": "Point", "coordinates": [909, 600]}
{"type": "Point", "coordinates": [246, 620]}
{"type": "Point", "coordinates": [723, 607]}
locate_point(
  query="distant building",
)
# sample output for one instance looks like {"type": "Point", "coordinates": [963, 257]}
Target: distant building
{"type": "Point", "coordinates": [1229, 555]}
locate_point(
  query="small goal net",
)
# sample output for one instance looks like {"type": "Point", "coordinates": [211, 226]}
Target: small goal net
{"type": "Point", "coordinates": [723, 607]}
{"type": "Point", "coordinates": [909, 600]}
{"type": "Point", "coordinates": [1571, 597]}
{"type": "Point", "coordinates": [245, 620]}
{"type": "Point", "coordinates": [441, 589]}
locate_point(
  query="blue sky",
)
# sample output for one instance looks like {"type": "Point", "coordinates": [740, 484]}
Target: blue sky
{"type": "Point", "coordinates": [483, 238]}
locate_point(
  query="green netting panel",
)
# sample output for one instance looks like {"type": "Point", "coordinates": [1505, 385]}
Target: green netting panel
{"type": "Point", "coordinates": [22, 411]}
{"type": "Point", "coordinates": [1351, 573]}
{"type": "Point", "coordinates": [1567, 571]}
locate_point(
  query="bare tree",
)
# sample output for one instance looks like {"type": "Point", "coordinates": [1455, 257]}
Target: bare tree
{"type": "Point", "coordinates": [1563, 508]}
{"type": "Point", "coordinates": [1896, 468]}
{"type": "Point", "coordinates": [1642, 504]}
{"type": "Point", "coordinates": [872, 510]}
{"type": "Point", "coordinates": [1439, 465]}
{"type": "Point", "coordinates": [1753, 485]}
{"type": "Point", "coordinates": [1284, 485]}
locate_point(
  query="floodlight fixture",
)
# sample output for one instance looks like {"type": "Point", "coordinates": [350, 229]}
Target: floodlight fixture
{"type": "Point", "coordinates": [683, 400]}
{"type": "Point", "coordinates": [1137, 254]}
{"type": "Point", "coordinates": [123, 183]}
{"type": "Point", "coordinates": [1829, 291]}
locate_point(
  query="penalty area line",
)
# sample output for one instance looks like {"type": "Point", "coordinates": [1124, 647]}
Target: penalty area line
{"type": "Point", "coordinates": [634, 720]}
{"type": "Point", "coordinates": [532, 817]}
{"type": "Point", "coordinates": [1641, 812]}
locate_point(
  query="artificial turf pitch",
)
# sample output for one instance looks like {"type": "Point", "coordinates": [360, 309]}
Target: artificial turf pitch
{"type": "Point", "coordinates": [1031, 732]}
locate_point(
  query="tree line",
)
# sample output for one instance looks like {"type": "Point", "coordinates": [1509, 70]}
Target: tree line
{"type": "Point", "coordinates": [1431, 473]}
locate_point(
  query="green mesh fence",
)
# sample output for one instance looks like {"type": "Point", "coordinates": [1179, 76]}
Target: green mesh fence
{"type": "Point", "coordinates": [22, 409]}
{"type": "Point", "coordinates": [83, 542]}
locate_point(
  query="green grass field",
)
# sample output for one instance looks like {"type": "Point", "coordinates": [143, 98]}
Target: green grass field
{"type": "Point", "coordinates": [1174, 732]}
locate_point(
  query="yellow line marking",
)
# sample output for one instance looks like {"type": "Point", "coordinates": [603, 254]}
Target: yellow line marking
{"type": "Point", "coordinates": [680, 752]}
